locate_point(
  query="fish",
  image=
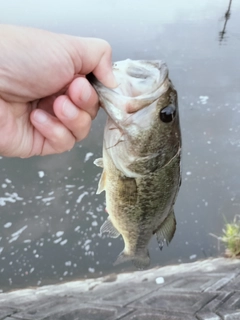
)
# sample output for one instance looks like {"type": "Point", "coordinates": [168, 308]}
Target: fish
{"type": "Point", "coordinates": [141, 157]}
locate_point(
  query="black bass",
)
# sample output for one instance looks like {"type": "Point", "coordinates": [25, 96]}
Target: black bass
{"type": "Point", "coordinates": [141, 157]}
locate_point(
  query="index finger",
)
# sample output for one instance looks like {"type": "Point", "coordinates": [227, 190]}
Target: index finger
{"type": "Point", "coordinates": [94, 55]}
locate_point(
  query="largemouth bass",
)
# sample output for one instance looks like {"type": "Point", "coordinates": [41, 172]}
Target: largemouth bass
{"type": "Point", "coordinates": [141, 157]}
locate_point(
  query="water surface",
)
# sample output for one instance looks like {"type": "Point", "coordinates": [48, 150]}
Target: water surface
{"type": "Point", "coordinates": [49, 213]}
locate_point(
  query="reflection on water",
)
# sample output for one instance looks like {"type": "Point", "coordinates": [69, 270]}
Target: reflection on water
{"type": "Point", "coordinates": [49, 213]}
{"type": "Point", "coordinates": [222, 34]}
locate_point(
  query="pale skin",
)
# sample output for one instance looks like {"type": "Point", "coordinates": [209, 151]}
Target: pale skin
{"type": "Point", "coordinates": [46, 103]}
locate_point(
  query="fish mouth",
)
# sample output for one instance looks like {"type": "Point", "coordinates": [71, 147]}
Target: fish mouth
{"type": "Point", "coordinates": [145, 70]}
{"type": "Point", "coordinates": [140, 71]}
{"type": "Point", "coordinates": [140, 84]}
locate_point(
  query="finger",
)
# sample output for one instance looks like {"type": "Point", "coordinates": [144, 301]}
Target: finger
{"type": "Point", "coordinates": [46, 104]}
{"type": "Point", "coordinates": [7, 126]}
{"type": "Point", "coordinates": [84, 96]}
{"type": "Point", "coordinates": [76, 120]}
{"type": "Point", "coordinates": [94, 55]}
{"type": "Point", "coordinates": [57, 137]}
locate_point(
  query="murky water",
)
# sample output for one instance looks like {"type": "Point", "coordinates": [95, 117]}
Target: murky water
{"type": "Point", "coordinates": [49, 213]}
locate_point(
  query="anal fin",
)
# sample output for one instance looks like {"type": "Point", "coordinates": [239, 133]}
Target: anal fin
{"type": "Point", "coordinates": [166, 230]}
{"type": "Point", "coordinates": [109, 228]}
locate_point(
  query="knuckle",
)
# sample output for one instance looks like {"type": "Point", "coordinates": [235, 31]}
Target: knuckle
{"type": "Point", "coordinates": [62, 140]}
{"type": "Point", "coordinates": [83, 134]}
{"type": "Point", "coordinates": [58, 133]}
{"type": "Point", "coordinates": [71, 144]}
{"type": "Point", "coordinates": [3, 114]}
{"type": "Point", "coordinates": [108, 47]}
{"type": "Point", "coordinates": [6, 126]}
{"type": "Point", "coordinates": [83, 127]}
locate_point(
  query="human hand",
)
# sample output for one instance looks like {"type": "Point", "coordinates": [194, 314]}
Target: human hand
{"type": "Point", "coordinates": [46, 103]}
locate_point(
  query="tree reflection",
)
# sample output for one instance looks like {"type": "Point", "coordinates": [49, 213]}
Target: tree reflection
{"type": "Point", "coordinates": [222, 34]}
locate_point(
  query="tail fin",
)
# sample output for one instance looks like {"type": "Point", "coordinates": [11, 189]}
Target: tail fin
{"type": "Point", "coordinates": [141, 260]}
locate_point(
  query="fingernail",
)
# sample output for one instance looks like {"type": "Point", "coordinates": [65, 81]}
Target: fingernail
{"type": "Point", "coordinates": [69, 110]}
{"type": "Point", "coordinates": [40, 116]}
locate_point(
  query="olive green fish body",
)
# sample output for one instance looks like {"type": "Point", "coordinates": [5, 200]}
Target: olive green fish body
{"type": "Point", "coordinates": [138, 207]}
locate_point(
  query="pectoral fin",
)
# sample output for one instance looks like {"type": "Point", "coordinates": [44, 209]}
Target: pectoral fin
{"type": "Point", "coordinates": [98, 162]}
{"type": "Point", "coordinates": [166, 230]}
{"type": "Point", "coordinates": [109, 228]}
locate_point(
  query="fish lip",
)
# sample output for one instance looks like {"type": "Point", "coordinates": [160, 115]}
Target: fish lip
{"type": "Point", "coordinates": [98, 86]}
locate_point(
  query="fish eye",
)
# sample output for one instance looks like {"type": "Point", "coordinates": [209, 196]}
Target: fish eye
{"type": "Point", "coordinates": [168, 113]}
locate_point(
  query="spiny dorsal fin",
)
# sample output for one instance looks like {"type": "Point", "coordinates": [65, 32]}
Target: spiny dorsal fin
{"type": "Point", "coordinates": [101, 183]}
{"type": "Point", "coordinates": [98, 162]}
{"type": "Point", "coordinates": [109, 228]}
{"type": "Point", "coordinates": [166, 230]}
